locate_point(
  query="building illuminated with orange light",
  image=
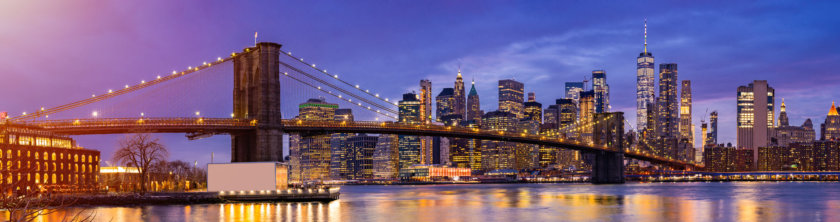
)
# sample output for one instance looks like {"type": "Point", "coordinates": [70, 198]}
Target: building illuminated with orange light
{"type": "Point", "coordinates": [432, 172]}
{"type": "Point", "coordinates": [34, 160]}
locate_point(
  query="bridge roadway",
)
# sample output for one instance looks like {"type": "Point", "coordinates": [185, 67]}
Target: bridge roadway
{"type": "Point", "coordinates": [231, 125]}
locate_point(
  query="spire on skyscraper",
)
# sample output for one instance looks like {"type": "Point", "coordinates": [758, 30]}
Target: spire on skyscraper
{"type": "Point", "coordinates": [645, 35]}
{"type": "Point", "coordinates": [833, 110]}
{"type": "Point", "coordinates": [783, 105]}
{"type": "Point", "coordinates": [472, 88]}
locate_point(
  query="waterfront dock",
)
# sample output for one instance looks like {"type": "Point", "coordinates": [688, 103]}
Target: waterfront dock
{"type": "Point", "coordinates": [287, 195]}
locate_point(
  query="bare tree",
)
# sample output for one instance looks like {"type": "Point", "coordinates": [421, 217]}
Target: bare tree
{"type": "Point", "coordinates": [142, 151]}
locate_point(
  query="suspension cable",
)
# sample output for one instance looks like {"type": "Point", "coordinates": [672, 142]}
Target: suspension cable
{"type": "Point", "coordinates": [335, 76]}
{"type": "Point", "coordinates": [111, 93]}
{"type": "Point", "coordinates": [387, 109]}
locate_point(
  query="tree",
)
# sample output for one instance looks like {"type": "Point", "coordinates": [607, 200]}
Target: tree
{"type": "Point", "coordinates": [142, 151]}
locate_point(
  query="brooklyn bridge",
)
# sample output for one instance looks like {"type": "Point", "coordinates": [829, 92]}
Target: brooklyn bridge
{"type": "Point", "coordinates": [256, 126]}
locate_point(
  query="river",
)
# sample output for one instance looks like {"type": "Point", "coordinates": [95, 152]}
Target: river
{"type": "Point", "coordinates": [717, 201]}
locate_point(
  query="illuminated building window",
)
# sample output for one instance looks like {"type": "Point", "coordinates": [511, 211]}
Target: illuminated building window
{"type": "Point", "coordinates": [61, 156]}
{"type": "Point", "coordinates": [83, 158]}
{"type": "Point", "coordinates": [53, 168]}
{"type": "Point", "coordinates": [37, 156]}
{"type": "Point", "coordinates": [53, 178]}
{"type": "Point", "coordinates": [76, 158]}
{"type": "Point", "coordinates": [1, 153]}
{"type": "Point", "coordinates": [37, 178]}
{"type": "Point", "coordinates": [53, 156]}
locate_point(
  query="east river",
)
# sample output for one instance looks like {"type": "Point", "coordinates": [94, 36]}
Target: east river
{"type": "Point", "coordinates": [728, 201]}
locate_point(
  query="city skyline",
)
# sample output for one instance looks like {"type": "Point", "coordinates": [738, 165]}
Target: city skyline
{"type": "Point", "coordinates": [530, 56]}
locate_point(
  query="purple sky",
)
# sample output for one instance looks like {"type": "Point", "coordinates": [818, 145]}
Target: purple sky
{"type": "Point", "coordinates": [56, 52]}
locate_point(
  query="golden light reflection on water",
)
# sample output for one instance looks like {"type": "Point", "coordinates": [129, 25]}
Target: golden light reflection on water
{"type": "Point", "coordinates": [735, 202]}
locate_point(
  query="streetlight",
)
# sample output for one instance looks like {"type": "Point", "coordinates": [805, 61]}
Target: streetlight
{"type": "Point", "coordinates": [95, 114]}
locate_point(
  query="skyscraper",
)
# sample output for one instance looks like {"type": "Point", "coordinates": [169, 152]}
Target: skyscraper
{"type": "Point", "coordinates": [386, 157]}
{"type": "Point", "coordinates": [339, 147]}
{"type": "Point", "coordinates": [473, 106]}
{"type": "Point", "coordinates": [785, 134]}
{"type": "Point", "coordinates": [755, 116]}
{"type": "Point", "coordinates": [426, 118]}
{"type": "Point", "coordinates": [359, 151]}
{"type": "Point", "coordinates": [686, 126]}
{"type": "Point", "coordinates": [783, 118]}
{"type": "Point", "coordinates": [311, 155]}
{"type": "Point", "coordinates": [445, 103]}
{"type": "Point", "coordinates": [426, 101]}
{"type": "Point", "coordinates": [460, 97]}
{"type": "Point", "coordinates": [573, 90]}
{"type": "Point", "coordinates": [511, 96]}
{"type": "Point", "coordinates": [602, 91]}
{"type": "Point", "coordinates": [585, 119]}
{"type": "Point", "coordinates": [409, 146]}
{"type": "Point", "coordinates": [669, 116]}
{"type": "Point", "coordinates": [830, 129]}
{"type": "Point", "coordinates": [567, 112]}
{"type": "Point", "coordinates": [711, 138]}
{"type": "Point", "coordinates": [704, 130]}
{"type": "Point", "coordinates": [645, 79]}
{"type": "Point", "coordinates": [551, 116]}
{"type": "Point", "coordinates": [533, 109]}
{"type": "Point", "coordinates": [498, 154]}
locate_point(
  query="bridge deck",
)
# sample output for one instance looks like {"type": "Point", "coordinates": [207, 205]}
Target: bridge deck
{"type": "Point", "coordinates": [232, 125]}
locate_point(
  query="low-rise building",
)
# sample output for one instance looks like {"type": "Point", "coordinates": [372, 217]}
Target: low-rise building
{"type": "Point", "coordinates": [433, 173]}
{"type": "Point", "coordinates": [36, 160]}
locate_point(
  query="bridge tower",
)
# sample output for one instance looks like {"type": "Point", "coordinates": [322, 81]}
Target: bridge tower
{"type": "Point", "coordinates": [256, 96]}
{"type": "Point", "coordinates": [608, 167]}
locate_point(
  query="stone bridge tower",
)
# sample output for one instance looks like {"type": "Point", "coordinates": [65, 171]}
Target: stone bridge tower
{"type": "Point", "coordinates": [256, 96]}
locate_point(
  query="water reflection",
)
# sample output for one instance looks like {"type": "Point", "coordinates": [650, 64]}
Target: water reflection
{"type": "Point", "coordinates": [523, 202]}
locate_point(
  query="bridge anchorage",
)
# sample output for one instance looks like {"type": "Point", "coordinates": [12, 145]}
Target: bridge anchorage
{"type": "Point", "coordinates": [256, 125]}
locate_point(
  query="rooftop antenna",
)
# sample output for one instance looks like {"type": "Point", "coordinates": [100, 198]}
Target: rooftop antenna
{"type": "Point", "coordinates": [255, 38]}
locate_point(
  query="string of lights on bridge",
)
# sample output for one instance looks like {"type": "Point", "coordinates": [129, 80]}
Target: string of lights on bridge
{"type": "Point", "coordinates": [387, 114]}
{"type": "Point", "coordinates": [335, 76]}
{"type": "Point", "coordinates": [385, 111]}
{"type": "Point", "coordinates": [384, 108]}
{"type": "Point", "coordinates": [125, 89]}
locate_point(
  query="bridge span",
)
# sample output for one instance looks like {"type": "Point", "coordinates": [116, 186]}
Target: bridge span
{"type": "Point", "coordinates": [200, 125]}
